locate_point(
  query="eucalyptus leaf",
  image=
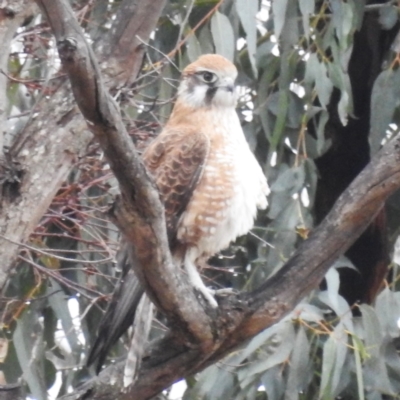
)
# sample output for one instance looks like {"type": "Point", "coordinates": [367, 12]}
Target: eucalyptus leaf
{"type": "Point", "coordinates": [59, 304]}
{"type": "Point", "coordinates": [300, 366]}
{"type": "Point", "coordinates": [193, 48]}
{"type": "Point", "coordinates": [292, 180]}
{"type": "Point", "coordinates": [332, 283]}
{"type": "Point", "coordinates": [264, 58]}
{"type": "Point", "coordinates": [274, 383]}
{"type": "Point", "coordinates": [344, 107]}
{"type": "Point", "coordinates": [360, 381]}
{"type": "Point", "coordinates": [309, 313]}
{"type": "Point", "coordinates": [223, 35]}
{"type": "Point", "coordinates": [342, 348]}
{"type": "Point", "coordinates": [206, 40]}
{"type": "Point", "coordinates": [317, 73]}
{"type": "Point", "coordinates": [338, 304]}
{"type": "Point", "coordinates": [328, 364]}
{"type": "Point", "coordinates": [306, 9]}
{"type": "Point", "coordinates": [387, 310]}
{"type": "Point", "coordinates": [384, 100]}
{"type": "Point", "coordinates": [279, 14]}
{"type": "Point", "coordinates": [247, 10]}
{"type": "Point", "coordinates": [388, 16]}
{"type": "Point", "coordinates": [295, 108]}
{"type": "Point", "coordinates": [372, 330]}
{"type": "Point", "coordinates": [322, 143]}
{"type": "Point", "coordinates": [29, 347]}
{"type": "Point", "coordinates": [262, 338]}
{"type": "Point", "coordinates": [276, 354]}
{"type": "Point", "coordinates": [290, 34]}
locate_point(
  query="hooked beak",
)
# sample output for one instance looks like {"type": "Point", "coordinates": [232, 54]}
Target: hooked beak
{"type": "Point", "coordinates": [228, 84]}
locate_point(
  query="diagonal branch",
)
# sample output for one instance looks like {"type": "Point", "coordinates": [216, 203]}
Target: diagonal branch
{"type": "Point", "coordinates": [125, 43]}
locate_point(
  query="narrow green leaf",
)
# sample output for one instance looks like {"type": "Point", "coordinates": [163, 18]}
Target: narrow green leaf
{"type": "Point", "coordinates": [333, 361]}
{"type": "Point", "coordinates": [59, 304]}
{"type": "Point", "coordinates": [341, 339]}
{"type": "Point", "coordinates": [193, 48]}
{"type": "Point", "coordinates": [323, 84]}
{"type": "Point", "coordinates": [29, 348]}
{"type": "Point", "coordinates": [332, 282]}
{"type": "Point", "coordinates": [372, 330]}
{"type": "Point", "coordinates": [224, 38]}
{"type": "Point", "coordinates": [291, 180]}
{"type": "Point", "coordinates": [306, 9]}
{"type": "Point", "coordinates": [322, 143]}
{"type": "Point", "coordinates": [300, 365]}
{"type": "Point", "coordinates": [277, 353]}
{"type": "Point", "coordinates": [388, 16]}
{"type": "Point", "coordinates": [247, 10]}
{"type": "Point", "coordinates": [328, 363]}
{"type": "Point", "coordinates": [274, 383]}
{"type": "Point", "coordinates": [309, 313]}
{"type": "Point", "coordinates": [385, 98]}
{"type": "Point", "coordinates": [360, 381]}
{"type": "Point", "coordinates": [283, 105]}
{"type": "Point", "coordinates": [359, 10]}
{"type": "Point", "coordinates": [290, 33]}
{"type": "Point", "coordinates": [295, 109]}
{"type": "Point", "coordinates": [279, 10]}
{"type": "Point", "coordinates": [261, 339]}
{"type": "Point", "coordinates": [317, 72]}
{"type": "Point", "coordinates": [388, 312]}
{"type": "Point", "coordinates": [206, 40]}
{"type": "Point", "coordinates": [341, 80]}
{"type": "Point", "coordinates": [344, 22]}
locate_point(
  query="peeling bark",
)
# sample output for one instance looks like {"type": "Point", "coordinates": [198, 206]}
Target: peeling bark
{"type": "Point", "coordinates": [11, 17]}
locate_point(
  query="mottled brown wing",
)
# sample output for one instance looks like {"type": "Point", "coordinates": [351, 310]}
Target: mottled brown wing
{"type": "Point", "coordinates": [176, 160]}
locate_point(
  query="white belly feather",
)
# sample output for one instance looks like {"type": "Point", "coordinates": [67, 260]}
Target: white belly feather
{"type": "Point", "coordinates": [250, 188]}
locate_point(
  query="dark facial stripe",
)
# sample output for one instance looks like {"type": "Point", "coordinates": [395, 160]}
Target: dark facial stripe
{"type": "Point", "coordinates": [210, 94]}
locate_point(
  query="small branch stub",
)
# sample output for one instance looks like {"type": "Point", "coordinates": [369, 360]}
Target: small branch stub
{"type": "Point", "coordinates": [67, 49]}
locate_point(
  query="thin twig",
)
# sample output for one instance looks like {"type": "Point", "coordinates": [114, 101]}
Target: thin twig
{"type": "Point", "coordinates": [42, 252]}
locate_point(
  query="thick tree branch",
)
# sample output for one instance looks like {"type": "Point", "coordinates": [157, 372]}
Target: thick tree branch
{"type": "Point", "coordinates": [125, 43]}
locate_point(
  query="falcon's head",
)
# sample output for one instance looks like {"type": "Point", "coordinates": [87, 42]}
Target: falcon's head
{"type": "Point", "coordinates": [209, 81]}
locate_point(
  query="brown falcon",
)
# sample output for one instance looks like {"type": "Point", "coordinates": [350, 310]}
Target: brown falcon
{"type": "Point", "coordinates": [209, 181]}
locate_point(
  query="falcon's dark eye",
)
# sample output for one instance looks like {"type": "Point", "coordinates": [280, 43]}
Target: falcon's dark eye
{"type": "Point", "coordinates": [208, 77]}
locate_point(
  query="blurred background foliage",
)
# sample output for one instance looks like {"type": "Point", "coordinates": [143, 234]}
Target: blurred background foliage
{"type": "Point", "coordinates": [319, 85]}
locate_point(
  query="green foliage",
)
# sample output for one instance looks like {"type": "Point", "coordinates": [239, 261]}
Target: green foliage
{"type": "Point", "coordinates": [315, 354]}
{"type": "Point", "coordinates": [291, 55]}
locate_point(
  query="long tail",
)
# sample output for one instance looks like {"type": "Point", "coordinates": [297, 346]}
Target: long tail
{"type": "Point", "coordinates": [118, 317]}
